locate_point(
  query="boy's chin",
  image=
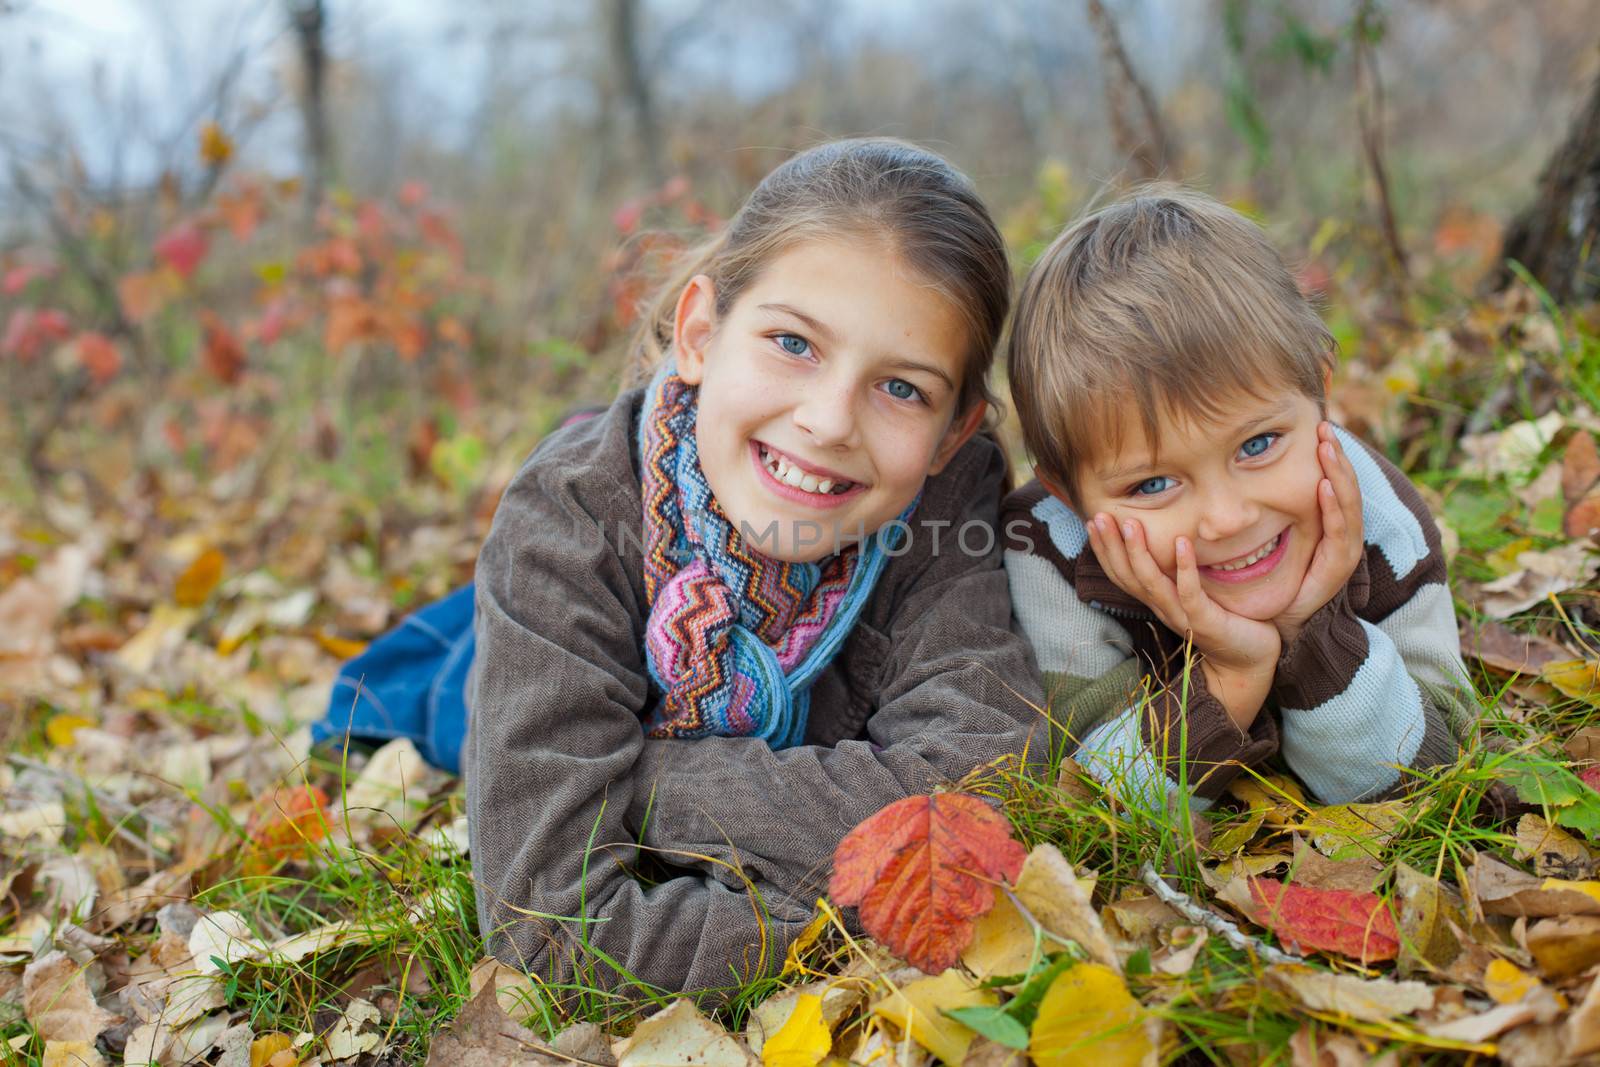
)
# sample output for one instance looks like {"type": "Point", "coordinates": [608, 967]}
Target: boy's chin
{"type": "Point", "coordinates": [1261, 606]}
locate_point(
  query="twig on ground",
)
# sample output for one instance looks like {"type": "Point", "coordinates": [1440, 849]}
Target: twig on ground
{"type": "Point", "coordinates": [1185, 905]}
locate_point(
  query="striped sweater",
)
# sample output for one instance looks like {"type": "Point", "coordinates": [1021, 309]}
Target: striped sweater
{"type": "Point", "coordinates": [1374, 681]}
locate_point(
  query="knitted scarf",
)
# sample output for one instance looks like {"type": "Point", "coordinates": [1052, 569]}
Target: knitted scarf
{"type": "Point", "coordinates": [734, 638]}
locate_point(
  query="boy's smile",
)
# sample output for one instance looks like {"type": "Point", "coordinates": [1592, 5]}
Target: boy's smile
{"type": "Point", "coordinates": [828, 393]}
{"type": "Point", "coordinates": [1242, 489]}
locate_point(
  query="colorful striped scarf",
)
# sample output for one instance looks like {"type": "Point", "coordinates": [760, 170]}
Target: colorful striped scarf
{"type": "Point", "coordinates": [735, 638]}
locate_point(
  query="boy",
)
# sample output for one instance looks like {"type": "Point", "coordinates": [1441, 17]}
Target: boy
{"type": "Point", "coordinates": [1171, 384]}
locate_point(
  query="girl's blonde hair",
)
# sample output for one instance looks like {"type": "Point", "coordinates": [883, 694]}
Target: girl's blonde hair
{"type": "Point", "coordinates": [1168, 302]}
{"type": "Point", "coordinates": [859, 188]}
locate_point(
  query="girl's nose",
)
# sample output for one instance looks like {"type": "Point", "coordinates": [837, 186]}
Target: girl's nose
{"type": "Point", "coordinates": [827, 416]}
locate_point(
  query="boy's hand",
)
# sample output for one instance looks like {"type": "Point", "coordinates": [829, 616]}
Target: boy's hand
{"type": "Point", "coordinates": [1339, 551]}
{"type": "Point", "coordinates": [1241, 654]}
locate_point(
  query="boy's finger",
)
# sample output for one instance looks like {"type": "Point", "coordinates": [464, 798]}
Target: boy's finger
{"type": "Point", "coordinates": [1161, 593]}
{"type": "Point", "coordinates": [1109, 549]}
{"type": "Point", "coordinates": [1190, 595]}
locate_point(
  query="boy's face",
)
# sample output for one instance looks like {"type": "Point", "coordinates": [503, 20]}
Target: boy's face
{"type": "Point", "coordinates": [1242, 489]}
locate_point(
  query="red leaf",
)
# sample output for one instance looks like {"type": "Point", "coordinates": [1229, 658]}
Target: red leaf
{"type": "Point", "coordinates": [223, 355]}
{"type": "Point", "coordinates": [30, 330]}
{"type": "Point", "coordinates": [182, 248]}
{"type": "Point", "coordinates": [1327, 920]}
{"type": "Point", "coordinates": [18, 278]}
{"type": "Point", "coordinates": [284, 822]}
{"type": "Point", "coordinates": [921, 871]}
{"type": "Point", "coordinates": [99, 356]}
{"type": "Point", "coordinates": [1591, 778]}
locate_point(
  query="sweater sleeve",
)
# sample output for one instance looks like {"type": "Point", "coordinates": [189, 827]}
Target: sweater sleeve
{"type": "Point", "coordinates": [957, 689]}
{"type": "Point", "coordinates": [552, 757]}
{"type": "Point", "coordinates": [1143, 727]}
{"type": "Point", "coordinates": [1374, 681]}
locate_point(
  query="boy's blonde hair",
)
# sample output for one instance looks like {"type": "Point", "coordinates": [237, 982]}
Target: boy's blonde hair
{"type": "Point", "coordinates": [1167, 300]}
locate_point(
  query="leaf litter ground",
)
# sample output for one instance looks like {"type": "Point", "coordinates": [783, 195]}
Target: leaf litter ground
{"type": "Point", "coordinates": [185, 880]}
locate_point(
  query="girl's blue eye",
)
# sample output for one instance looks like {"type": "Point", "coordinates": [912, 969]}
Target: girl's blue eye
{"type": "Point", "coordinates": [1257, 444]}
{"type": "Point", "coordinates": [793, 344]}
{"type": "Point", "coordinates": [1152, 486]}
{"type": "Point", "coordinates": [911, 392]}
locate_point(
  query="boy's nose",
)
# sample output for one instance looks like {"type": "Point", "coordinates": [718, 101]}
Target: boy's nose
{"type": "Point", "coordinates": [827, 416]}
{"type": "Point", "coordinates": [1226, 515]}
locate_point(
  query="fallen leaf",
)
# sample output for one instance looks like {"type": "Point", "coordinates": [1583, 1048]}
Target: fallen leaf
{"type": "Point", "coordinates": [1538, 575]}
{"type": "Point", "coordinates": [223, 935]}
{"type": "Point", "coordinates": [1349, 831]}
{"type": "Point", "coordinates": [1484, 1026]}
{"type": "Point", "coordinates": [1359, 873]}
{"type": "Point", "coordinates": [921, 871]}
{"type": "Point", "coordinates": [1061, 903]}
{"type": "Point", "coordinates": [166, 629]}
{"type": "Point", "coordinates": [1506, 983]}
{"type": "Point", "coordinates": [195, 584]}
{"type": "Point", "coordinates": [393, 788]}
{"type": "Point", "coordinates": [1577, 678]}
{"type": "Point", "coordinates": [1497, 645]}
{"type": "Point", "coordinates": [1281, 798]}
{"type": "Point", "coordinates": [1511, 451]}
{"type": "Point", "coordinates": [1566, 945]}
{"type": "Point", "coordinates": [71, 1054]}
{"type": "Point", "coordinates": [1183, 949]}
{"type": "Point", "coordinates": [919, 1008]}
{"type": "Point", "coordinates": [57, 1001]}
{"type": "Point", "coordinates": [265, 1047]}
{"type": "Point", "coordinates": [1580, 466]}
{"type": "Point", "coordinates": [1373, 1000]}
{"type": "Point", "coordinates": [1583, 1025]}
{"type": "Point", "coordinates": [1429, 913]}
{"type": "Point", "coordinates": [803, 1039]}
{"type": "Point", "coordinates": [1553, 852]}
{"type": "Point", "coordinates": [1500, 889]}
{"type": "Point", "coordinates": [350, 1035]}
{"type": "Point", "coordinates": [515, 990]}
{"type": "Point", "coordinates": [837, 997]}
{"type": "Point", "coordinates": [481, 1035]}
{"type": "Point", "coordinates": [680, 1036]}
{"type": "Point", "coordinates": [1088, 1014]}
{"type": "Point", "coordinates": [1329, 920]}
{"type": "Point", "coordinates": [1313, 1046]}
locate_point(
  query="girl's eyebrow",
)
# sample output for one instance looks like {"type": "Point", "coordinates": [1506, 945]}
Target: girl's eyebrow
{"type": "Point", "coordinates": [899, 362]}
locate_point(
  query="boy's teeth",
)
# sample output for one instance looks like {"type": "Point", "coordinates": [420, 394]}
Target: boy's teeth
{"type": "Point", "coordinates": [1259, 554]}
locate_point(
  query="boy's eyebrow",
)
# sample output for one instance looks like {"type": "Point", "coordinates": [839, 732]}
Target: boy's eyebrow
{"type": "Point", "coordinates": [1127, 470]}
{"type": "Point", "coordinates": [899, 362]}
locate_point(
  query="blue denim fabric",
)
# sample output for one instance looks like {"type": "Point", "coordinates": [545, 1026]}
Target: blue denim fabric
{"type": "Point", "coordinates": [410, 682]}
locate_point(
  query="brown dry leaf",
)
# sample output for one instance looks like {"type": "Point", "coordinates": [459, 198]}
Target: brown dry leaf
{"type": "Point", "coordinates": [1428, 913]}
{"type": "Point", "coordinates": [682, 1037]}
{"type": "Point", "coordinates": [1580, 466]}
{"type": "Point", "coordinates": [1320, 1047]}
{"type": "Point", "coordinates": [1486, 1026]}
{"type": "Point", "coordinates": [1566, 945]}
{"type": "Point", "coordinates": [1060, 902]}
{"type": "Point", "coordinates": [1359, 873]}
{"type": "Point", "coordinates": [1554, 852]}
{"type": "Point", "coordinates": [1583, 1025]}
{"type": "Point", "coordinates": [1182, 950]}
{"type": "Point", "coordinates": [71, 1054]}
{"type": "Point", "coordinates": [56, 999]}
{"type": "Point", "coordinates": [985, 1053]}
{"type": "Point", "coordinates": [1584, 745]}
{"type": "Point", "coordinates": [1140, 918]}
{"type": "Point", "coordinates": [514, 989]}
{"type": "Point", "coordinates": [1538, 575]}
{"type": "Point", "coordinates": [481, 1035]}
{"type": "Point", "coordinates": [1583, 517]}
{"type": "Point", "coordinates": [1499, 889]}
{"type": "Point", "coordinates": [1497, 645]}
{"type": "Point", "coordinates": [1370, 1000]}
{"type": "Point", "coordinates": [1073, 781]}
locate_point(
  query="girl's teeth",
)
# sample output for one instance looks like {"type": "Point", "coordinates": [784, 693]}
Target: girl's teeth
{"type": "Point", "coordinates": [789, 474]}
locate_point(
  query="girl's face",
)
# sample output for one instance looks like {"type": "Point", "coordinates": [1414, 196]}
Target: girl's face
{"type": "Point", "coordinates": [827, 394]}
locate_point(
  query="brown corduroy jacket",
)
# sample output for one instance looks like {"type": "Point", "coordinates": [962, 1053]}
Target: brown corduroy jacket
{"type": "Point", "coordinates": [563, 787]}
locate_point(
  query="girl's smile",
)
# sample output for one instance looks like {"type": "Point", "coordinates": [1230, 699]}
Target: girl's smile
{"type": "Point", "coordinates": [828, 393]}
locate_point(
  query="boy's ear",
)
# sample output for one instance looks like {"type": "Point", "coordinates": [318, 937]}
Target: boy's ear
{"type": "Point", "coordinates": [1327, 382]}
{"type": "Point", "coordinates": [1049, 483]}
{"type": "Point", "coordinates": [693, 324]}
{"type": "Point", "coordinates": [959, 433]}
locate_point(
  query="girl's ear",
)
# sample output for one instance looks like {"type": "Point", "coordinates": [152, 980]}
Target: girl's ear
{"type": "Point", "coordinates": [692, 327]}
{"type": "Point", "coordinates": [959, 433]}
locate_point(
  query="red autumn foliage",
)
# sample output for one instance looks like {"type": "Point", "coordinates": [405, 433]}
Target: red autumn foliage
{"type": "Point", "coordinates": [30, 330]}
{"type": "Point", "coordinates": [99, 356]}
{"type": "Point", "coordinates": [285, 822]}
{"type": "Point", "coordinates": [222, 355]}
{"type": "Point", "coordinates": [1350, 923]}
{"type": "Point", "coordinates": [182, 248]}
{"type": "Point", "coordinates": [922, 870]}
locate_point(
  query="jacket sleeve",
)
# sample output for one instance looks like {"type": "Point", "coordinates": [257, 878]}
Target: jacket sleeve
{"type": "Point", "coordinates": [552, 758]}
{"type": "Point", "coordinates": [958, 689]}
{"type": "Point", "coordinates": [1374, 681]}
{"type": "Point", "coordinates": [1144, 729]}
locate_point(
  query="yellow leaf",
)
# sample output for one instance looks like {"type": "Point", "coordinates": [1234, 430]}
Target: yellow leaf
{"type": "Point", "coordinates": [263, 1048]}
{"type": "Point", "coordinates": [803, 1040]}
{"type": "Point", "coordinates": [1506, 983]}
{"type": "Point", "coordinates": [61, 728]}
{"type": "Point", "coordinates": [917, 1008]}
{"type": "Point", "coordinates": [196, 583]}
{"type": "Point", "coordinates": [215, 149]}
{"type": "Point", "coordinates": [1577, 678]}
{"type": "Point", "coordinates": [1350, 831]}
{"type": "Point", "coordinates": [1282, 798]}
{"type": "Point", "coordinates": [1588, 889]}
{"type": "Point", "coordinates": [1503, 560]}
{"type": "Point", "coordinates": [1088, 1016]}
{"type": "Point", "coordinates": [346, 648]}
{"type": "Point", "coordinates": [797, 947]}
{"type": "Point", "coordinates": [1003, 942]}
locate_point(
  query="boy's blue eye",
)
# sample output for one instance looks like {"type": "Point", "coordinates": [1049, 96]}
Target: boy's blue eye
{"type": "Point", "coordinates": [1152, 486]}
{"type": "Point", "coordinates": [1257, 444]}
{"type": "Point", "coordinates": [793, 344]}
{"type": "Point", "coordinates": [911, 391]}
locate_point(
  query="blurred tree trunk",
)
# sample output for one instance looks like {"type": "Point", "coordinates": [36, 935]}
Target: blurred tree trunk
{"type": "Point", "coordinates": [622, 18]}
{"type": "Point", "coordinates": [1557, 237]}
{"type": "Point", "coordinates": [1150, 151]}
{"type": "Point", "coordinates": [309, 21]}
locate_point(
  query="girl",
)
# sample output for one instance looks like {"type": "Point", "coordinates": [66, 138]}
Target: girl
{"type": "Point", "coordinates": [759, 597]}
